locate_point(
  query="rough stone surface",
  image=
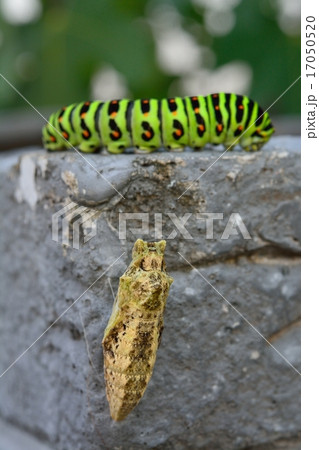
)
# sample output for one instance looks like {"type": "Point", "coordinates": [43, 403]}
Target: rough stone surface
{"type": "Point", "coordinates": [217, 383]}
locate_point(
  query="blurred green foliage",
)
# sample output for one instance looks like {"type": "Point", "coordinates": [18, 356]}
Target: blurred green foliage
{"type": "Point", "coordinates": [52, 59]}
{"type": "Point", "coordinates": [273, 55]}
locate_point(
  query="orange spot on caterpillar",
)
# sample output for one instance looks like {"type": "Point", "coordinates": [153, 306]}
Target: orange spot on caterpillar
{"type": "Point", "coordinates": [240, 128]}
{"type": "Point", "coordinates": [115, 134]}
{"type": "Point", "coordinates": [145, 101]}
{"type": "Point", "coordinates": [86, 133]}
{"type": "Point", "coordinates": [215, 95]}
{"type": "Point", "coordinates": [217, 107]}
{"type": "Point", "coordinates": [145, 114]}
{"type": "Point", "coordinates": [194, 98]}
{"type": "Point", "coordinates": [241, 107]}
{"type": "Point", "coordinates": [52, 139]}
{"type": "Point", "coordinates": [196, 110]}
{"type": "Point", "coordinates": [172, 100]}
{"type": "Point", "coordinates": [113, 114]}
{"type": "Point", "coordinates": [174, 113]}
{"type": "Point", "coordinates": [87, 103]}
{"type": "Point", "coordinates": [201, 127]}
{"type": "Point", "coordinates": [178, 132]}
{"type": "Point", "coordinates": [219, 127]}
{"type": "Point", "coordinates": [65, 135]}
{"type": "Point", "coordinates": [60, 119]}
{"type": "Point", "coordinates": [148, 134]}
{"type": "Point", "coordinates": [83, 115]}
{"type": "Point", "coordinates": [114, 102]}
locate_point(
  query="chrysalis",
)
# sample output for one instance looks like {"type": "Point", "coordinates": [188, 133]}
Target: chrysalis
{"type": "Point", "coordinates": [133, 333]}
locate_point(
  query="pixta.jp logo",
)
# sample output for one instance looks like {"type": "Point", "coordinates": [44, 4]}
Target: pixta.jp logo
{"type": "Point", "coordinates": [235, 225]}
{"type": "Point", "coordinates": [74, 225]}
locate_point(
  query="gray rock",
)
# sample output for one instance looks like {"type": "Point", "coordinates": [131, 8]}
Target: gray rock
{"type": "Point", "coordinates": [217, 383]}
{"type": "Point", "coordinates": [14, 439]}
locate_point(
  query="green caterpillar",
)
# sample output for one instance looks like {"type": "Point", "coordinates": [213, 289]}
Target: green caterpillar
{"type": "Point", "coordinates": [148, 124]}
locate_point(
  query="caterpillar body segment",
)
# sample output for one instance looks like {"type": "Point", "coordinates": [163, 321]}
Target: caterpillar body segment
{"type": "Point", "coordinates": [175, 133]}
{"type": "Point", "coordinates": [148, 124]}
{"type": "Point", "coordinates": [133, 332]}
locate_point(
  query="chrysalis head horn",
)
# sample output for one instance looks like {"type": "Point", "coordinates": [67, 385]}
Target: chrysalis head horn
{"type": "Point", "coordinates": [161, 246]}
{"type": "Point", "coordinates": [139, 248]}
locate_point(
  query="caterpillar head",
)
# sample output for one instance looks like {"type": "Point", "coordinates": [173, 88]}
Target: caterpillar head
{"type": "Point", "coordinates": [257, 134]}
